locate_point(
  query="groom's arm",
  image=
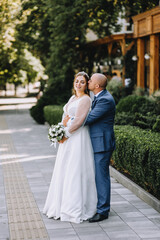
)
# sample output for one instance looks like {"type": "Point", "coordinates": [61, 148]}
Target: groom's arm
{"type": "Point", "coordinates": [102, 107]}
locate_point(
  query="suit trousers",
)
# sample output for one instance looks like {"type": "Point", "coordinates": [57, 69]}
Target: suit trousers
{"type": "Point", "coordinates": [102, 161]}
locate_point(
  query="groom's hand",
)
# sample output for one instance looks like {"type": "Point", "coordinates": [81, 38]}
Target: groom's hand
{"type": "Point", "coordinates": [65, 120]}
{"type": "Point", "coordinates": [63, 139]}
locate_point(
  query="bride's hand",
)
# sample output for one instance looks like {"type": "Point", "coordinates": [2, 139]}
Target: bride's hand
{"type": "Point", "coordinates": [63, 139]}
{"type": "Point", "coordinates": [65, 120]}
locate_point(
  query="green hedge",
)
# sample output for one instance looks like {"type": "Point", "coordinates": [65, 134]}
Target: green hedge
{"type": "Point", "coordinates": [138, 154]}
{"type": "Point", "coordinates": [53, 114]}
{"type": "Point", "coordinates": [138, 111]}
{"type": "Point", "coordinates": [140, 104]}
{"type": "Point", "coordinates": [139, 120]}
{"type": "Point", "coordinates": [49, 97]}
{"type": "Point", "coordinates": [116, 88]}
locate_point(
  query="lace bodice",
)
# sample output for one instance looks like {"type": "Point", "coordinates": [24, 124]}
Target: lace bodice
{"type": "Point", "coordinates": [71, 106]}
{"type": "Point", "coordinates": [77, 109]}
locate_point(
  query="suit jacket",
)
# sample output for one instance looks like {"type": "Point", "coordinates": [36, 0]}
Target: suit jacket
{"type": "Point", "coordinates": [101, 121]}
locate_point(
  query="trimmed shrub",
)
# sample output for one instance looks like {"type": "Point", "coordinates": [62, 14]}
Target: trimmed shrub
{"type": "Point", "coordinates": [138, 111]}
{"type": "Point", "coordinates": [139, 120]}
{"type": "Point", "coordinates": [123, 118]}
{"type": "Point", "coordinates": [135, 104]}
{"type": "Point", "coordinates": [53, 114]}
{"type": "Point", "coordinates": [138, 153]}
{"type": "Point", "coordinates": [138, 91]}
{"type": "Point", "coordinates": [116, 88]}
{"type": "Point", "coordinates": [144, 122]}
{"type": "Point", "coordinates": [156, 98]}
{"type": "Point", "coordinates": [49, 97]}
{"type": "Point", "coordinates": [37, 111]}
{"type": "Point", "coordinates": [156, 126]}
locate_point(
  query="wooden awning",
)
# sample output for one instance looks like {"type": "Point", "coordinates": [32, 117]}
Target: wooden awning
{"type": "Point", "coordinates": [147, 23]}
{"type": "Point", "coordinates": [110, 39]}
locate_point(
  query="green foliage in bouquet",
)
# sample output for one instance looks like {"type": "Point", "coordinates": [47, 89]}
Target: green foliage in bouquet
{"type": "Point", "coordinates": [56, 133]}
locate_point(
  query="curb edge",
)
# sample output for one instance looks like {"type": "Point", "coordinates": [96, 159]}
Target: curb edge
{"type": "Point", "coordinates": [137, 190]}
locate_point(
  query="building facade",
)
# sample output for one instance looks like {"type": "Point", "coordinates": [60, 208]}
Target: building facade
{"type": "Point", "coordinates": [147, 36]}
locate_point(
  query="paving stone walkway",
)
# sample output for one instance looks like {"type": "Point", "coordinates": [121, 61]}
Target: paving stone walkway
{"type": "Point", "coordinates": [26, 165]}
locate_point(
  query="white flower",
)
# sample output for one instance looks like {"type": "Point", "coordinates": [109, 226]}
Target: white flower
{"type": "Point", "coordinates": [56, 133]}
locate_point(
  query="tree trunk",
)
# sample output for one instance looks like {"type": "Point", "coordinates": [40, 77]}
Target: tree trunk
{"type": "Point", "coordinates": [15, 89]}
{"type": "Point", "coordinates": [5, 89]}
{"type": "Point", "coordinates": [28, 88]}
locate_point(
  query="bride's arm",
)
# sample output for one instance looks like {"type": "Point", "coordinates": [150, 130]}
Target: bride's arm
{"type": "Point", "coordinates": [80, 115]}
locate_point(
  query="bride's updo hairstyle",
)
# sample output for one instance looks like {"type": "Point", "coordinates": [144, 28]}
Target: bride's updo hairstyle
{"type": "Point", "coordinates": [85, 75]}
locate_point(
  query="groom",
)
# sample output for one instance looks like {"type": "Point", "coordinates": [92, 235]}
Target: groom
{"type": "Point", "coordinates": [101, 121]}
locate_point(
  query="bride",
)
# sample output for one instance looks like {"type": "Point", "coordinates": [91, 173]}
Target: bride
{"type": "Point", "coordinates": [72, 193]}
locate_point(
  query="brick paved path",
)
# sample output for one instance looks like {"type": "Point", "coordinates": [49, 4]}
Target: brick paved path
{"type": "Point", "coordinates": [24, 218]}
{"type": "Point", "coordinates": [26, 165]}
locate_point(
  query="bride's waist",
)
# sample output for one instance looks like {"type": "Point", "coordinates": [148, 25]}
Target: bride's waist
{"type": "Point", "coordinates": [82, 129]}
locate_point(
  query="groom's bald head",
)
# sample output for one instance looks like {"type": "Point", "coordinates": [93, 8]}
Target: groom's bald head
{"type": "Point", "coordinates": [101, 79]}
{"type": "Point", "coordinates": [97, 82]}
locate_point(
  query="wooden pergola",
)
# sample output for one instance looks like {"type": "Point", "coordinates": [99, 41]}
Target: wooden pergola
{"type": "Point", "coordinates": [147, 28]}
{"type": "Point", "coordinates": [110, 40]}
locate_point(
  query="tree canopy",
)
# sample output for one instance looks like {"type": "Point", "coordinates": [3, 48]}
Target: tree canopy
{"type": "Point", "coordinates": [15, 67]}
{"type": "Point", "coordinates": [55, 32]}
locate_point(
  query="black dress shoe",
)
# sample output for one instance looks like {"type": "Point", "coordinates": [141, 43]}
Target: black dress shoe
{"type": "Point", "coordinates": [98, 217]}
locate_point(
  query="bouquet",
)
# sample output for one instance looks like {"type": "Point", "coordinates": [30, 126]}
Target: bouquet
{"type": "Point", "coordinates": [56, 133]}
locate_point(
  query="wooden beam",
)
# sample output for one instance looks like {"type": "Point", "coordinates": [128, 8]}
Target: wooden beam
{"type": "Point", "coordinates": [112, 38]}
{"type": "Point", "coordinates": [110, 45]}
{"type": "Point", "coordinates": [140, 62]}
{"type": "Point", "coordinates": [123, 46]}
{"type": "Point", "coordinates": [143, 15]}
{"type": "Point", "coordinates": [147, 23]}
{"type": "Point", "coordinates": [123, 49]}
{"type": "Point", "coordinates": [130, 46]}
{"type": "Point", "coordinates": [154, 63]}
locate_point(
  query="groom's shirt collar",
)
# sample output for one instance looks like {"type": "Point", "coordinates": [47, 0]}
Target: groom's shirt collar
{"type": "Point", "coordinates": [96, 95]}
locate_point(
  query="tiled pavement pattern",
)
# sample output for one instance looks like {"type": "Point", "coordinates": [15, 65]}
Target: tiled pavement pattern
{"type": "Point", "coordinates": [24, 218]}
{"type": "Point", "coordinates": [26, 165]}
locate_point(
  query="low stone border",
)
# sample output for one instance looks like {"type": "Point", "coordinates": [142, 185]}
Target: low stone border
{"type": "Point", "coordinates": [137, 190]}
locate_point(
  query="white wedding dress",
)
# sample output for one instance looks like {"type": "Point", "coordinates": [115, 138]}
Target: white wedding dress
{"type": "Point", "coordinates": [72, 193]}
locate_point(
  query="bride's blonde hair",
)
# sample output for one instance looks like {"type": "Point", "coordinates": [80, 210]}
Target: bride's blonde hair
{"type": "Point", "coordinates": [85, 75]}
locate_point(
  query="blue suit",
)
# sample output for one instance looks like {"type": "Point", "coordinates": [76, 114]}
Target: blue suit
{"type": "Point", "coordinates": [101, 121]}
